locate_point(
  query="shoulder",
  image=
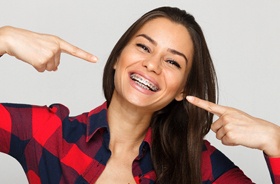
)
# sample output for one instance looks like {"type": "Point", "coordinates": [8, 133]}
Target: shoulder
{"type": "Point", "coordinates": [59, 110]}
{"type": "Point", "coordinates": [214, 162]}
{"type": "Point", "coordinates": [219, 168]}
{"type": "Point", "coordinates": [207, 147]}
{"type": "Point", "coordinates": [215, 157]}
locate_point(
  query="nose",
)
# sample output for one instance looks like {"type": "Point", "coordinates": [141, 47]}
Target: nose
{"type": "Point", "coordinates": [153, 64]}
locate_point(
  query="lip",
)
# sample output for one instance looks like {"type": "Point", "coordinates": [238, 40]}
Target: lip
{"type": "Point", "coordinates": [151, 79]}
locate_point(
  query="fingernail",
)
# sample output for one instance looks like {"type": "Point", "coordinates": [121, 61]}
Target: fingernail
{"type": "Point", "coordinates": [94, 58]}
{"type": "Point", "coordinates": [190, 98]}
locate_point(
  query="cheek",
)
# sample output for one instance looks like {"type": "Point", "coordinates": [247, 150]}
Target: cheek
{"type": "Point", "coordinates": [117, 81]}
{"type": "Point", "coordinates": [175, 81]}
{"type": "Point", "coordinates": [129, 57]}
{"type": "Point", "coordinates": [116, 62]}
{"type": "Point", "coordinates": [121, 62]}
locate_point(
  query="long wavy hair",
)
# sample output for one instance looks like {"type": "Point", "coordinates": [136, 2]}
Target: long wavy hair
{"type": "Point", "coordinates": [179, 128]}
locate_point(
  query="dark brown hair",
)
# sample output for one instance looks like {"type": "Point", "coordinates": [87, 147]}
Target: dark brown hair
{"type": "Point", "coordinates": [177, 129]}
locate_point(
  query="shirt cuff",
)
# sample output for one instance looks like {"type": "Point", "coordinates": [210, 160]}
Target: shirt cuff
{"type": "Point", "coordinates": [273, 164]}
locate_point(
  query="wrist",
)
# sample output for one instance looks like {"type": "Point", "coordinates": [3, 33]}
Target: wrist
{"type": "Point", "coordinates": [272, 147]}
{"type": "Point", "coordinates": [4, 32]}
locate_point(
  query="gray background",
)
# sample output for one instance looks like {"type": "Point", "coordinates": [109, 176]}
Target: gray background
{"type": "Point", "coordinates": [243, 37]}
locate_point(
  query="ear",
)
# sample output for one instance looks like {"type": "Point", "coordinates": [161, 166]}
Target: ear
{"type": "Point", "coordinates": [180, 96]}
{"type": "Point", "coordinates": [116, 63]}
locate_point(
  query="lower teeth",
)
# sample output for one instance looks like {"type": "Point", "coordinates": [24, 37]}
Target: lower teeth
{"type": "Point", "coordinates": [142, 85]}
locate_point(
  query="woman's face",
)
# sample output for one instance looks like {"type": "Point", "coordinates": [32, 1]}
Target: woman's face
{"type": "Point", "coordinates": [153, 67]}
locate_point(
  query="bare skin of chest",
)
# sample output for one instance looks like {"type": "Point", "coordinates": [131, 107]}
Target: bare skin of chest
{"type": "Point", "coordinates": [118, 170]}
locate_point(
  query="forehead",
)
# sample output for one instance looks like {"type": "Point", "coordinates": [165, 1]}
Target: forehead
{"type": "Point", "coordinates": [168, 34]}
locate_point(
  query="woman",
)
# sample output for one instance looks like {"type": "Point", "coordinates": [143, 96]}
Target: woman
{"type": "Point", "coordinates": [146, 131]}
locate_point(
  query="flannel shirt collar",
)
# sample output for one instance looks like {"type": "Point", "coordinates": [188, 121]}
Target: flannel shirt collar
{"type": "Point", "coordinates": [97, 121]}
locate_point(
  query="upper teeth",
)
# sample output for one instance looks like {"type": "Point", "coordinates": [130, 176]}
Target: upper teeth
{"type": "Point", "coordinates": [144, 82]}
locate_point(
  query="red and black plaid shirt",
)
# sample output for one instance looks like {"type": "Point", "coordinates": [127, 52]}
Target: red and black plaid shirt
{"type": "Point", "coordinates": [55, 148]}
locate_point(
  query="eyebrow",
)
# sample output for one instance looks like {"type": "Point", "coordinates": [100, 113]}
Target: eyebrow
{"type": "Point", "coordinates": [178, 53]}
{"type": "Point", "coordinates": [148, 38]}
{"type": "Point", "coordinates": [173, 51]}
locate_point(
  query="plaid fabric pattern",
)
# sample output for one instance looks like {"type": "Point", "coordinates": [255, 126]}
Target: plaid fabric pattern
{"type": "Point", "coordinates": [55, 148]}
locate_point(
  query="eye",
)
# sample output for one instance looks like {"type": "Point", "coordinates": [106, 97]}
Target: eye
{"type": "Point", "coordinates": [173, 62]}
{"type": "Point", "coordinates": [143, 47]}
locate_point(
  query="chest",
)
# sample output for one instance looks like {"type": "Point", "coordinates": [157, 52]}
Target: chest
{"type": "Point", "coordinates": [86, 162]}
{"type": "Point", "coordinates": [118, 170]}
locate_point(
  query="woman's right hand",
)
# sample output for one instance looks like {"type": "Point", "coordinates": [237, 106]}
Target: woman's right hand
{"type": "Point", "coordinates": [42, 51]}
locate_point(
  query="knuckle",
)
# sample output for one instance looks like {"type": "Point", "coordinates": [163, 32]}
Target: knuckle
{"type": "Point", "coordinates": [74, 50]}
{"type": "Point", "coordinates": [231, 137]}
{"type": "Point", "coordinates": [227, 127]}
{"type": "Point", "coordinates": [51, 53]}
{"type": "Point", "coordinates": [40, 68]}
{"type": "Point", "coordinates": [218, 136]}
{"type": "Point", "coordinates": [210, 108]}
{"type": "Point", "coordinates": [40, 65]}
{"type": "Point", "coordinates": [226, 118]}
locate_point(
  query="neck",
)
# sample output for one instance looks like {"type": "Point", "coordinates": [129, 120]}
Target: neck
{"type": "Point", "coordinates": [128, 125]}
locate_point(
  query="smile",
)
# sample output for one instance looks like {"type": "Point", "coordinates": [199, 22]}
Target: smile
{"type": "Point", "coordinates": [144, 83]}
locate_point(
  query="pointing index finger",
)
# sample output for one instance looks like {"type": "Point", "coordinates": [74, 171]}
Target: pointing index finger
{"type": "Point", "coordinates": [206, 105]}
{"type": "Point", "coordinates": [75, 51]}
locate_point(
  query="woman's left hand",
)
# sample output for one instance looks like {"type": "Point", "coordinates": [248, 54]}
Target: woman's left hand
{"type": "Point", "coordinates": [234, 127]}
